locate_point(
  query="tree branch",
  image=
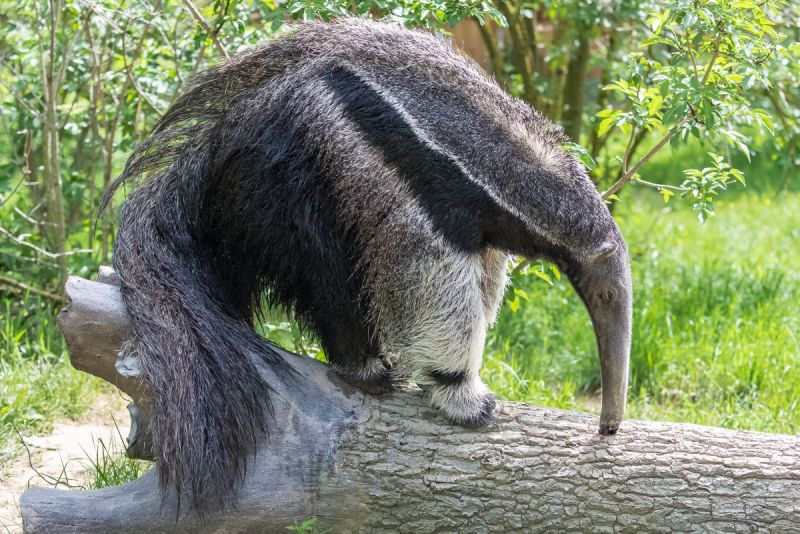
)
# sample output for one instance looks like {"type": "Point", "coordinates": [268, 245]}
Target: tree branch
{"type": "Point", "coordinates": [677, 189]}
{"type": "Point", "coordinates": [628, 175]}
{"type": "Point", "coordinates": [20, 288]}
{"type": "Point", "coordinates": [713, 59]}
{"type": "Point", "coordinates": [20, 99]}
{"type": "Point", "coordinates": [40, 250]}
{"type": "Point", "coordinates": [198, 17]}
{"type": "Point", "coordinates": [129, 72]}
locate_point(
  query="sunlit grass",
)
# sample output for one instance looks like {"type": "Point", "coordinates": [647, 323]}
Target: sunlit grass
{"type": "Point", "coordinates": [716, 321]}
{"type": "Point", "coordinates": [37, 382]}
{"type": "Point", "coordinates": [110, 466]}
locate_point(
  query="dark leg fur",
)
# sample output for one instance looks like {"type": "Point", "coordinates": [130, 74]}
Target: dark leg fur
{"type": "Point", "coordinates": [353, 353]}
{"type": "Point", "coordinates": [375, 377]}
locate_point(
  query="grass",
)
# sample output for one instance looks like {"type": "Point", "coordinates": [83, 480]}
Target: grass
{"type": "Point", "coordinates": [38, 385]}
{"type": "Point", "coordinates": [37, 382]}
{"type": "Point", "coordinates": [106, 465]}
{"type": "Point", "coordinates": [110, 466]}
{"type": "Point", "coordinates": [716, 321]}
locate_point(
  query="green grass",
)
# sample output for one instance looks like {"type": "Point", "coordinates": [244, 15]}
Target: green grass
{"type": "Point", "coordinates": [38, 385]}
{"type": "Point", "coordinates": [716, 321]}
{"type": "Point", "coordinates": [37, 382]}
{"type": "Point", "coordinates": [110, 466]}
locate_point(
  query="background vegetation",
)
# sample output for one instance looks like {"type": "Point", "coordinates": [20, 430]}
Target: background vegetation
{"type": "Point", "coordinates": [673, 105]}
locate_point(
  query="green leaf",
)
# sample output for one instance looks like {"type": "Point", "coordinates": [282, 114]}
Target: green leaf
{"type": "Point", "coordinates": [608, 112]}
{"type": "Point", "coordinates": [744, 149]}
{"type": "Point", "coordinates": [655, 105]}
{"type": "Point", "coordinates": [555, 270]}
{"type": "Point", "coordinates": [605, 125]}
{"type": "Point", "coordinates": [708, 114]}
{"type": "Point", "coordinates": [676, 111]}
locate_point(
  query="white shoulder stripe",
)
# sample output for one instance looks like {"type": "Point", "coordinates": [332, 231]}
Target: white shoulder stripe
{"type": "Point", "coordinates": [425, 138]}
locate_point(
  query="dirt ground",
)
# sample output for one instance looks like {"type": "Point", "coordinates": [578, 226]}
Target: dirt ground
{"type": "Point", "coordinates": [61, 455]}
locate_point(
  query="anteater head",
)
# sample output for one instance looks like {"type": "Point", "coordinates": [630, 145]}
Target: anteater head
{"type": "Point", "coordinates": [603, 280]}
{"type": "Point", "coordinates": [560, 216]}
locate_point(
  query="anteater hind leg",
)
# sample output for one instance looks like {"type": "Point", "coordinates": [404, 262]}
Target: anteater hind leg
{"type": "Point", "coordinates": [444, 319]}
{"type": "Point", "coordinates": [353, 353]}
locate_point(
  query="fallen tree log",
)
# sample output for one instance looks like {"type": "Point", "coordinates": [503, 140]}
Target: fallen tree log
{"type": "Point", "coordinates": [360, 463]}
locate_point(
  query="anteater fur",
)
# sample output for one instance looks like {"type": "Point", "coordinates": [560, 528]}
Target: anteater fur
{"type": "Point", "coordinates": [373, 181]}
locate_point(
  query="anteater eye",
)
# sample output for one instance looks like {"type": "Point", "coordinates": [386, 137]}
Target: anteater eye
{"type": "Point", "coordinates": [607, 296]}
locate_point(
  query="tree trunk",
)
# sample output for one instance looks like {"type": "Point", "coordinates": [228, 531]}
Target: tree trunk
{"type": "Point", "coordinates": [53, 195]}
{"type": "Point", "coordinates": [595, 141]}
{"type": "Point", "coordinates": [392, 464]}
{"type": "Point", "coordinates": [574, 87]}
{"type": "Point", "coordinates": [496, 60]}
{"type": "Point", "coordinates": [523, 48]}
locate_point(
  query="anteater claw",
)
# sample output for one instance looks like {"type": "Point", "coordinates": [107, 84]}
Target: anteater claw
{"type": "Point", "coordinates": [608, 429]}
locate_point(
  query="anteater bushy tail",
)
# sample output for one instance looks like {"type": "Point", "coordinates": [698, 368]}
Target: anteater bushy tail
{"type": "Point", "coordinates": [192, 319]}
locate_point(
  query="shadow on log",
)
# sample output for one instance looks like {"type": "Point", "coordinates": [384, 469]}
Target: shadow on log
{"type": "Point", "coordinates": [392, 464]}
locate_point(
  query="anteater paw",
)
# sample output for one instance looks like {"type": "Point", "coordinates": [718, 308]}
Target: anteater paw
{"type": "Point", "coordinates": [469, 404]}
{"type": "Point", "coordinates": [375, 378]}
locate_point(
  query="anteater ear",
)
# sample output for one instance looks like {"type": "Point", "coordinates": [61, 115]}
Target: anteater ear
{"type": "Point", "coordinates": [606, 250]}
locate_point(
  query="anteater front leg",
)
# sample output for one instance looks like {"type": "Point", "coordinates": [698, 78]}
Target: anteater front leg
{"type": "Point", "coordinates": [443, 318]}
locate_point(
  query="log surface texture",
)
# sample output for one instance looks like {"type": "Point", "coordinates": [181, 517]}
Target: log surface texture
{"type": "Point", "coordinates": [360, 463]}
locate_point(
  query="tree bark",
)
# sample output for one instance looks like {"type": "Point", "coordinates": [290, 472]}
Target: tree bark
{"type": "Point", "coordinates": [523, 49]}
{"type": "Point", "coordinates": [360, 463]}
{"type": "Point", "coordinates": [595, 141]}
{"type": "Point", "coordinates": [54, 198]}
{"type": "Point", "coordinates": [489, 38]}
{"type": "Point", "coordinates": [573, 98]}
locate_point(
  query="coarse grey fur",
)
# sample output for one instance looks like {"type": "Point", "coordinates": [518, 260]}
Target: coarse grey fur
{"type": "Point", "coordinates": [373, 180]}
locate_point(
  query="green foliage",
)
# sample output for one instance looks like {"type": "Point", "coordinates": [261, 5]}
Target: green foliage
{"type": "Point", "coordinates": [701, 185]}
{"type": "Point", "coordinates": [309, 526]}
{"type": "Point", "coordinates": [37, 383]}
{"type": "Point", "coordinates": [287, 334]}
{"type": "Point", "coordinates": [431, 14]}
{"type": "Point", "coordinates": [715, 322]}
{"type": "Point", "coordinates": [699, 75]}
{"type": "Point", "coordinates": [110, 466]}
